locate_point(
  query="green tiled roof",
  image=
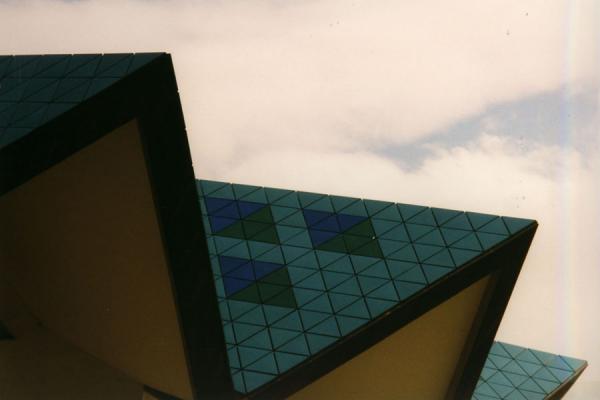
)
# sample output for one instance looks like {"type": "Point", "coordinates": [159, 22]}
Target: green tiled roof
{"type": "Point", "coordinates": [516, 373]}
{"type": "Point", "coordinates": [297, 271]}
{"type": "Point", "coordinates": [36, 89]}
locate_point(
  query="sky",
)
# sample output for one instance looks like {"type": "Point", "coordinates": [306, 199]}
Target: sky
{"type": "Point", "coordinates": [482, 106]}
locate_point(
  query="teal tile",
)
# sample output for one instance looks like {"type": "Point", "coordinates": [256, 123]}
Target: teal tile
{"type": "Point", "coordinates": [478, 220]}
{"type": "Point", "coordinates": [350, 286]}
{"type": "Point", "coordinates": [515, 379]}
{"type": "Point", "coordinates": [314, 282]}
{"type": "Point", "coordinates": [296, 219]}
{"type": "Point", "coordinates": [374, 206]}
{"type": "Point", "coordinates": [290, 321]}
{"type": "Point", "coordinates": [238, 382]}
{"type": "Point", "coordinates": [409, 210]}
{"type": "Point", "coordinates": [442, 259]}
{"type": "Point", "coordinates": [306, 198]}
{"type": "Point", "coordinates": [425, 217]}
{"type": "Point", "coordinates": [360, 263]}
{"type": "Point", "coordinates": [300, 240]}
{"type": "Point", "coordinates": [308, 260]}
{"type": "Point", "coordinates": [327, 257]}
{"type": "Point", "coordinates": [349, 324]}
{"type": "Point", "coordinates": [257, 196]}
{"type": "Point", "coordinates": [322, 204]}
{"type": "Point", "coordinates": [388, 213]}
{"type": "Point", "coordinates": [442, 215]}
{"type": "Point", "coordinates": [312, 318]}
{"type": "Point", "coordinates": [265, 365]}
{"type": "Point", "coordinates": [340, 301]}
{"type": "Point", "coordinates": [255, 379]}
{"type": "Point", "coordinates": [293, 253]}
{"type": "Point", "coordinates": [342, 264]}
{"type": "Point", "coordinates": [327, 327]}
{"type": "Point", "coordinates": [280, 337]}
{"type": "Point", "coordinates": [489, 240]}
{"type": "Point", "coordinates": [407, 253]}
{"type": "Point", "coordinates": [468, 242]}
{"type": "Point", "coordinates": [280, 213]}
{"type": "Point", "coordinates": [544, 374]}
{"type": "Point", "coordinates": [369, 283]}
{"type": "Point", "coordinates": [385, 292]}
{"type": "Point", "coordinates": [389, 247]}
{"type": "Point", "coordinates": [240, 191]}
{"type": "Point", "coordinates": [224, 192]}
{"type": "Point", "coordinates": [297, 274]}
{"type": "Point", "coordinates": [298, 345]}
{"type": "Point", "coordinates": [357, 209]}
{"type": "Point", "coordinates": [304, 296]}
{"type": "Point", "coordinates": [407, 289]}
{"type": "Point", "coordinates": [573, 362]}
{"type": "Point", "coordinates": [275, 313]}
{"type": "Point", "coordinates": [340, 202]}
{"type": "Point", "coordinates": [248, 355]}
{"type": "Point", "coordinates": [434, 238]}
{"type": "Point", "coordinates": [547, 386]}
{"type": "Point", "coordinates": [244, 331]}
{"type": "Point", "coordinates": [332, 279]}
{"type": "Point", "coordinates": [377, 270]}
{"type": "Point", "coordinates": [459, 222]}
{"type": "Point", "coordinates": [424, 251]}
{"type": "Point", "coordinates": [254, 316]}
{"type": "Point", "coordinates": [259, 340]}
{"type": "Point", "coordinates": [318, 342]}
{"type": "Point", "coordinates": [415, 231]}
{"type": "Point", "coordinates": [358, 309]}
{"type": "Point", "coordinates": [434, 272]}
{"type": "Point", "coordinates": [378, 306]}
{"type": "Point", "coordinates": [514, 225]}
{"type": "Point", "coordinates": [495, 226]}
{"type": "Point", "coordinates": [288, 200]}
{"type": "Point", "coordinates": [320, 304]}
{"type": "Point", "coordinates": [461, 256]}
{"type": "Point", "coordinates": [526, 355]}
{"type": "Point", "coordinates": [286, 361]}
{"type": "Point", "coordinates": [274, 194]}
{"type": "Point", "coordinates": [414, 274]}
{"type": "Point", "coordinates": [397, 268]}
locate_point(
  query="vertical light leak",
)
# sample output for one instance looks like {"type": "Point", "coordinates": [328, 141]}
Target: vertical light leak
{"type": "Point", "coordinates": [565, 272]}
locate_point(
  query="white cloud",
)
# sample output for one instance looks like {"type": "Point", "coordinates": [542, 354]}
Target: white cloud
{"type": "Point", "coordinates": [330, 74]}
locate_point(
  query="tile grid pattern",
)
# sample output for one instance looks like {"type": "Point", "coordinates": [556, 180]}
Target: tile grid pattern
{"type": "Point", "coordinates": [35, 89]}
{"type": "Point", "coordinates": [516, 373]}
{"type": "Point", "coordinates": [296, 271]}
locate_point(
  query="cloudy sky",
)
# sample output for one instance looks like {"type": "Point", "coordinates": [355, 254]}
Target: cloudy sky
{"type": "Point", "coordinates": [485, 106]}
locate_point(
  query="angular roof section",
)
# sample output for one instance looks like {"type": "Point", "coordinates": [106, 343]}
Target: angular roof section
{"type": "Point", "coordinates": [304, 281]}
{"type": "Point", "coordinates": [296, 273]}
{"type": "Point", "coordinates": [516, 373]}
{"type": "Point", "coordinates": [35, 89]}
